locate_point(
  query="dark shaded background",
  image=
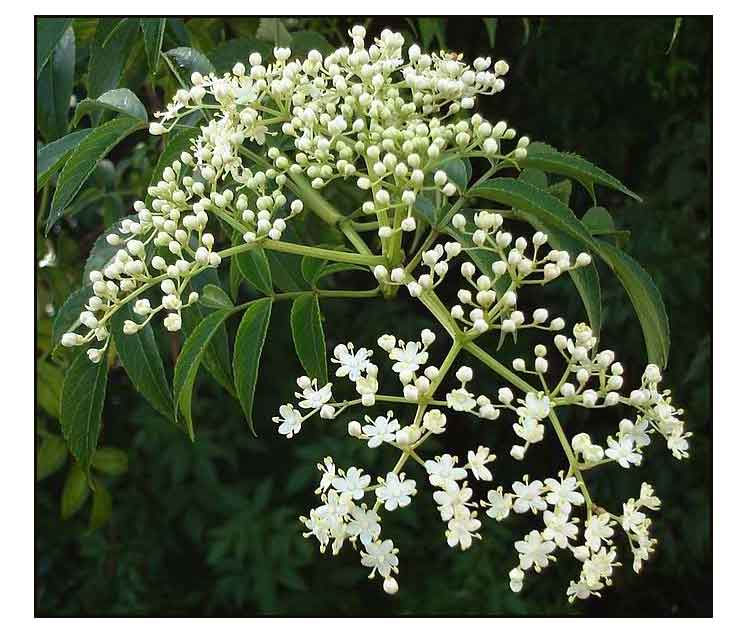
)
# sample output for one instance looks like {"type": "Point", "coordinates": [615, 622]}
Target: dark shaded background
{"type": "Point", "coordinates": [211, 528]}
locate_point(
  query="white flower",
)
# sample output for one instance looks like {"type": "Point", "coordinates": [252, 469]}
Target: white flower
{"type": "Point", "coordinates": [443, 470]}
{"type": "Point", "coordinates": [408, 358]}
{"type": "Point", "coordinates": [678, 445]}
{"type": "Point", "coordinates": [558, 528]}
{"type": "Point", "coordinates": [530, 430]}
{"type": "Point", "coordinates": [599, 566]}
{"type": "Point", "coordinates": [312, 398]}
{"type": "Point", "coordinates": [289, 419]}
{"type": "Point", "coordinates": [462, 528]}
{"type": "Point", "coordinates": [598, 528]}
{"type": "Point", "coordinates": [528, 497]}
{"type": "Point", "coordinates": [499, 504]}
{"type": "Point", "coordinates": [647, 497]}
{"type": "Point", "coordinates": [364, 524]}
{"type": "Point", "coordinates": [580, 590]}
{"type": "Point", "coordinates": [563, 495]}
{"type": "Point", "coordinates": [395, 491]}
{"type": "Point", "coordinates": [327, 468]}
{"type": "Point", "coordinates": [534, 406]}
{"type": "Point", "coordinates": [434, 420]}
{"type": "Point", "coordinates": [477, 461]}
{"type": "Point", "coordinates": [451, 499]}
{"type": "Point", "coordinates": [633, 519]}
{"type": "Point", "coordinates": [623, 451]}
{"type": "Point", "coordinates": [636, 432]}
{"type": "Point", "coordinates": [382, 429]}
{"type": "Point", "coordinates": [460, 400]}
{"type": "Point", "coordinates": [352, 482]}
{"type": "Point", "coordinates": [380, 556]}
{"type": "Point", "coordinates": [352, 364]}
{"type": "Point", "coordinates": [534, 551]}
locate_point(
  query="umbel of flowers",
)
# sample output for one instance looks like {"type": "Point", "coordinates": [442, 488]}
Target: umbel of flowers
{"type": "Point", "coordinates": [386, 119]}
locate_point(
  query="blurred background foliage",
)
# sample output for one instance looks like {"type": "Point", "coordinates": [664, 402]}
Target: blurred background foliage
{"type": "Point", "coordinates": [176, 528]}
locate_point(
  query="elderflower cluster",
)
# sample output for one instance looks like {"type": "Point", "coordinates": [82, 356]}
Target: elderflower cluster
{"type": "Point", "coordinates": [353, 503]}
{"type": "Point", "coordinates": [384, 118]}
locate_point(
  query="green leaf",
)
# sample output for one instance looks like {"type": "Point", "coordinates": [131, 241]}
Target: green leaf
{"type": "Point", "coordinates": [83, 393]}
{"type": "Point", "coordinates": [111, 461]}
{"type": "Point", "coordinates": [338, 267]}
{"type": "Point", "coordinates": [100, 512]}
{"type": "Point", "coordinates": [562, 190]}
{"type": "Point", "coordinates": [140, 356]}
{"type": "Point", "coordinates": [48, 33]}
{"type": "Point", "coordinates": [121, 100]}
{"type": "Point", "coordinates": [273, 30]}
{"type": "Point", "coordinates": [212, 296]}
{"type": "Point", "coordinates": [189, 361]}
{"type": "Point", "coordinates": [109, 53]}
{"type": "Point", "coordinates": [312, 269]}
{"type": "Point", "coordinates": [83, 160]}
{"type": "Point", "coordinates": [152, 31]}
{"type": "Point", "coordinates": [302, 42]}
{"type": "Point", "coordinates": [286, 271]}
{"type": "Point", "coordinates": [253, 266]}
{"type": "Point", "coordinates": [54, 88]}
{"type": "Point", "coordinates": [49, 379]}
{"type": "Point", "coordinates": [178, 142]}
{"type": "Point", "coordinates": [51, 157]}
{"type": "Point", "coordinates": [251, 336]}
{"type": "Point", "coordinates": [598, 220]}
{"type": "Point", "coordinates": [645, 298]}
{"type": "Point", "coordinates": [676, 28]}
{"type": "Point", "coordinates": [309, 338]}
{"type": "Point", "coordinates": [543, 206]}
{"type": "Point", "coordinates": [547, 158]}
{"type": "Point", "coordinates": [190, 61]}
{"type": "Point", "coordinates": [458, 172]}
{"type": "Point", "coordinates": [51, 456]}
{"type": "Point", "coordinates": [75, 492]}
{"type": "Point", "coordinates": [67, 318]}
{"type": "Point", "coordinates": [432, 29]}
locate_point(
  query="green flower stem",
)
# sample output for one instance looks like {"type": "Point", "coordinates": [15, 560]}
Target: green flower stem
{"type": "Point", "coordinates": [574, 466]}
{"type": "Point", "coordinates": [497, 367]}
{"type": "Point", "coordinates": [301, 249]}
{"type": "Point", "coordinates": [315, 201]}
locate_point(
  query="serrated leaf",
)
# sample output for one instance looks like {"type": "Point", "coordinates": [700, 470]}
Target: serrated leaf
{"type": "Point", "coordinates": [540, 204]}
{"type": "Point", "coordinates": [68, 315]}
{"type": "Point", "coordinates": [178, 142]}
{"type": "Point", "coordinates": [75, 492]}
{"type": "Point", "coordinates": [51, 456]}
{"type": "Point", "coordinates": [140, 356]}
{"type": "Point", "coordinates": [645, 298]}
{"type": "Point", "coordinates": [253, 266]}
{"type": "Point", "coordinates": [81, 406]}
{"type": "Point", "coordinates": [547, 158]}
{"type": "Point", "coordinates": [109, 53]}
{"type": "Point", "coordinates": [458, 172]}
{"type": "Point", "coordinates": [562, 190]}
{"type": "Point", "coordinates": [54, 88]}
{"type": "Point", "coordinates": [153, 30]}
{"type": "Point", "coordinates": [51, 157]}
{"type": "Point", "coordinates": [111, 461]}
{"type": "Point", "coordinates": [48, 33]}
{"type": "Point", "coordinates": [213, 296]}
{"type": "Point", "coordinates": [189, 361]}
{"type": "Point", "coordinates": [190, 60]}
{"type": "Point", "coordinates": [100, 511]}
{"type": "Point", "coordinates": [309, 338]}
{"type": "Point", "coordinates": [251, 336]}
{"type": "Point", "coordinates": [286, 271]}
{"type": "Point", "coordinates": [83, 160]}
{"type": "Point", "coordinates": [121, 100]}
